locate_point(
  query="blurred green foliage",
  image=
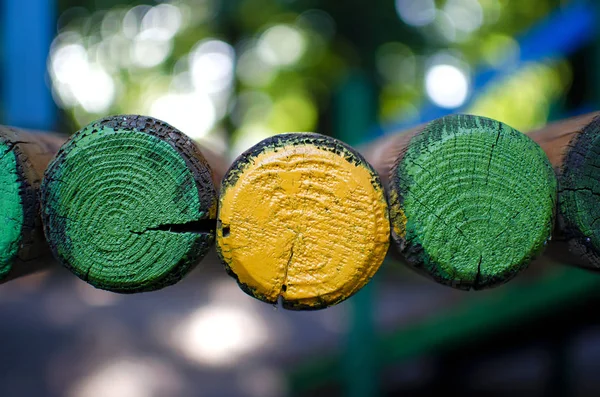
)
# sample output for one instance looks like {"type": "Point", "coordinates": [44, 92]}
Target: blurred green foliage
{"type": "Point", "coordinates": [230, 73]}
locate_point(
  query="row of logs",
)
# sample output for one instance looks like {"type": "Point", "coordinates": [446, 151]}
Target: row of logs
{"type": "Point", "coordinates": [130, 204]}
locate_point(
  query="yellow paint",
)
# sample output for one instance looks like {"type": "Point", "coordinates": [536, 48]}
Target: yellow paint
{"type": "Point", "coordinates": [307, 219]}
{"type": "Point", "coordinates": [397, 216]}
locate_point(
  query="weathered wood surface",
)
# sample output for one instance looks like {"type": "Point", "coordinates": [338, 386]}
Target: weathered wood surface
{"type": "Point", "coordinates": [129, 204]}
{"type": "Point", "coordinates": [573, 147]}
{"type": "Point", "coordinates": [302, 219]}
{"type": "Point", "coordinates": [25, 156]}
{"type": "Point", "coordinates": [218, 163]}
{"type": "Point", "coordinates": [472, 201]}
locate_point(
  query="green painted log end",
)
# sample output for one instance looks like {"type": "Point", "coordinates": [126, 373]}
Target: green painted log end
{"type": "Point", "coordinates": [129, 204]}
{"type": "Point", "coordinates": [472, 201]}
{"type": "Point", "coordinates": [579, 195]}
{"type": "Point", "coordinates": [23, 159]}
{"type": "Point", "coordinates": [11, 206]}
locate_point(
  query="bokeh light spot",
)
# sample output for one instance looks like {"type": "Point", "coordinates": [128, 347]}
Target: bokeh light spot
{"type": "Point", "coordinates": [447, 86]}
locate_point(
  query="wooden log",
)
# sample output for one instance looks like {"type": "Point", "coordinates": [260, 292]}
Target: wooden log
{"type": "Point", "coordinates": [24, 158]}
{"type": "Point", "coordinates": [472, 201]}
{"type": "Point", "coordinates": [302, 218]}
{"type": "Point", "coordinates": [218, 163]}
{"type": "Point", "coordinates": [573, 147]}
{"type": "Point", "coordinates": [129, 204]}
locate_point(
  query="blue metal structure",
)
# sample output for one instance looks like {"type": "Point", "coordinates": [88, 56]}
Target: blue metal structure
{"type": "Point", "coordinates": [560, 34]}
{"type": "Point", "coordinates": [27, 31]}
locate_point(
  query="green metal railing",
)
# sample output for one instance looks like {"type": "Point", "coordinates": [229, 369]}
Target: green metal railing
{"type": "Point", "coordinates": [468, 321]}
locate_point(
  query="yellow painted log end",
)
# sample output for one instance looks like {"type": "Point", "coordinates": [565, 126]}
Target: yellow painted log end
{"type": "Point", "coordinates": [302, 217]}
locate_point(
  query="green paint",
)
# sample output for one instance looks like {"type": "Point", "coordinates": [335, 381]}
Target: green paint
{"type": "Point", "coordinates": [579, 194]}
{"type": "Point", "coordinates": [10, 207]}
{"type": "Point", "coordinates": [478, 201]}
{"type": "Point", "coordinates": [110, 199]}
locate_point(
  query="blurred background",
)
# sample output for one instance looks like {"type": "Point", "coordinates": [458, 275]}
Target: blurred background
{"type": "Point", "coordinates": [230, 73]}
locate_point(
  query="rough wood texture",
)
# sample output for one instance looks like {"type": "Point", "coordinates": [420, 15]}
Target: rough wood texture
{"type": "Point", "coordinates": [218, 164]}
{"type": "Point", "coordinates": [472, 201]}
{"type": "Point", "coordinates": [573, 147]}
{"type": "Point", "coordinates": [302, 218]}
{"type": "Point", "coordinates": [25, 156]}
{"type": "Point", "coordinates": [384, 153]}
{"type": "Point", "coordinates": [129, 204]}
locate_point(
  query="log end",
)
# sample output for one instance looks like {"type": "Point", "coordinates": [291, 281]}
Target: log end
{"type": "Point", "coordinates": [129, 205]}
{"type": "Point", "coordinates": [12, 206]}
{"type": "Point", "coordinates": [23, 158]}
{"type": "Point", "coordinates": [472, 201]}
{"type": "Point", "coordinates": [579, 196]}
{"type": "Point", "coordinates": [302, 218]}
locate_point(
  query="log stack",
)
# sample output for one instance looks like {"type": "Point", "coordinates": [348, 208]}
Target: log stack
{"type": "Point", "coordinates": [130, 204]}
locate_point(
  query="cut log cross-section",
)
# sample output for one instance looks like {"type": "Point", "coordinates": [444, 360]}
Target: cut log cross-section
{"type": "Point", "coordinates": [129, 204]}
{"type": "Point", "coordinates": [472, 201]}
{"type": "Point", "coordinates": [302, 218]}
{"type": "Point", "coordinates": [573, 147]}
{"type": "Point", "coordinates": [24, 157]}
